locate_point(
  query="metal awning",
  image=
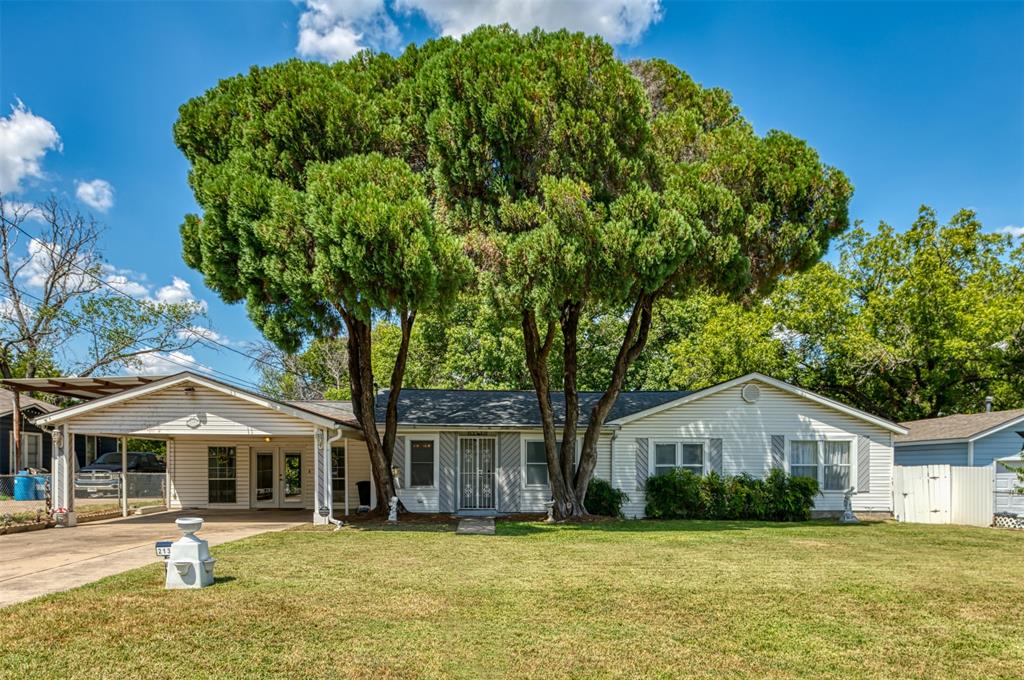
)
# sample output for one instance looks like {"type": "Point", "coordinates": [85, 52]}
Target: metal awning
{"type": "Point", "coordinates": [81, 388]}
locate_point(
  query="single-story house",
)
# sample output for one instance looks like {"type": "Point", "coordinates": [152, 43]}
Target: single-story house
{"type": "Point", "coordinates": [970, 439]}
{"type": "Point", "coordinates": [36, 447]}
{"type": "Point", "coordinates": [477, 451]}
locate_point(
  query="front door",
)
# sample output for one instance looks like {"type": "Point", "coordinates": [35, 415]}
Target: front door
{"type": "Point", "coordinates": [278, 478]}
{"type": "Point", "coordinates": [477, 473]}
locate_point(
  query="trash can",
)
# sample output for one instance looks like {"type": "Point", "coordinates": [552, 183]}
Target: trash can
{"type": "Point", "coordinates": [41, 482]}
{"type": "Point", "coordinates": [364, 492]}
{"type": "Point", "coordinates": [24, 487]}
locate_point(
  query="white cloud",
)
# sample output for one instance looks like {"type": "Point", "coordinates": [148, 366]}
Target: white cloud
{"type": "Point", "coordinates": [617, 21]}
{"type": "Point", "coordinates": [161, 363]}
{"type": "Point", "coordinates": [98, 194]}
{"type": "Point", "coordinates": [24, 140]}
{"type": "Point", "coordinates": [126, 285]}
{"type": "Point", "coordinates": [1013, 230]}
{"type": "Point", "coordinates": [204, 333]}
{"type": "Point", "coordinates": [42, 259]}
{"type": "Point", "coordinates": [336, 29]}
{"type": "Point", "coordinates": [25, 210]}
{"type": "Point", "coordinates": [179, 290]}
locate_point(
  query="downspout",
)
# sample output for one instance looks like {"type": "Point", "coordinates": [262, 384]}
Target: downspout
{"type": "Point", "coordinates": [330, 517]}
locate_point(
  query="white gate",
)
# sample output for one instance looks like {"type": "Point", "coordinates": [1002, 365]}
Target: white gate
{"type": "Point", "coordinates": [942, 494]}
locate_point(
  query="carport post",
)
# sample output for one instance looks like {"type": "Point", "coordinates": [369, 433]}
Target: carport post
{"type": "Point", "coordinates": [124, 476]}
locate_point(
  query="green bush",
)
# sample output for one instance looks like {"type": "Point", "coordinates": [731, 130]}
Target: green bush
{"type": "Point", "coordinates": [604, 499]}
{"type": "Point", "coordinates": [680, 494]}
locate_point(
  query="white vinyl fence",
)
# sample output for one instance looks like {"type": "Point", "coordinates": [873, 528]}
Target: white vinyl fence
{"type": "Point", "coordinates": [944, 494]}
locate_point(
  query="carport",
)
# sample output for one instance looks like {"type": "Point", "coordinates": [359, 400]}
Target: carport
{"type": "Point", "coordinates": [227, 448]}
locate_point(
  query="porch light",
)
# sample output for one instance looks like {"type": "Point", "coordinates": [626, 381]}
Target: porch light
{"type": "Point", "coordinates": [266, 439]}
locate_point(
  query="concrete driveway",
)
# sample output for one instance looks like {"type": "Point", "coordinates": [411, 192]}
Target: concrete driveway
{"type": "Point", "coordinates": [41, 562]}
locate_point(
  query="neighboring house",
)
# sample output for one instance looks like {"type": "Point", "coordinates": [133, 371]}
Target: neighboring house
{"type": "Point", "coordinates": [972, 439]}
{"type": "Point", "coordinates": [480, 451]}
{"type": "Point", "coordinates": [36, 444]}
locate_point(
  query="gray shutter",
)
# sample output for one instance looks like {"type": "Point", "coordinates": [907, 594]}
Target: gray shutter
{"type": "Point", "coordinates": [715, 456]}
{"type": "Point", "coordinates": [510, 476]}
{"type": "Point", "coordinates": [398, 459]}
{"type": "Point", "coordinates": [863, 464]}
{"type": "Point", "coordinates": [446, 472]}
{"type": "Point", "coordinates": [778, 452]}
{"type": "Point", "coordinates": [641, 462]}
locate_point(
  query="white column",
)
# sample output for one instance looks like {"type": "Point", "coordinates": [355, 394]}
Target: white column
{"type": "Point", "coordinates": [62, 483]}
{"type": "Point", "coordinates": [124, 476]}
{"type": "Point", "coordinates": [347, 452]}
{"type": "Point", "coordinates": [322, 477]}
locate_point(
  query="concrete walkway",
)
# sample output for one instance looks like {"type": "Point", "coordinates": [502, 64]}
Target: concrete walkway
{"type": "Point", "coordinates": [37, 563]}
{"type": "Point", "coordinates": [476, 526]}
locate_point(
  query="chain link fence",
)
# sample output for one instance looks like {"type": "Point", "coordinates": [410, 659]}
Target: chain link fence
{"type": "Point", "coordinates": [26, 498]}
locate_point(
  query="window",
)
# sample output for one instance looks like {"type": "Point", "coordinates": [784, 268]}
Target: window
{"type": "Point", "coordinates": [803, 459]}
{"type": "Point", "coordinates": [837, 466]}
{"type": "Point", "coordinates": [221, 473]}
{"type": "Point", "coordinates": [684, 455]}
{"type": "Point", "coordinates": [827, 461]}
{"type": "Point", "coordinates": [338, 473]}
{"type": "Point", "coordinates": [31, 450]}
{"type": "Point", "coordinates": [421, 462]}
{"type": "Point", "coordinates": [536, 464]}
{"type": "Point", "coordinates": [664, 458]}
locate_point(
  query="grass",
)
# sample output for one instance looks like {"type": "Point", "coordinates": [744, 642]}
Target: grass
{"type": "Point", "coordinates": [624, 599]}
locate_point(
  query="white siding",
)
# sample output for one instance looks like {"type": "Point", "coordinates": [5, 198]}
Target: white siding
{"type": "Point", "coordinates": [358, 470]}
{"type": "Point", "coordinates": [745, 430]}
{"type": "Point", "coordinates": [166, 413]}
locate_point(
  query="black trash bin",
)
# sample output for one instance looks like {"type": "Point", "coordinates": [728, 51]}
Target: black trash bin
{"type": "Point", "coordinates": [364, 492]}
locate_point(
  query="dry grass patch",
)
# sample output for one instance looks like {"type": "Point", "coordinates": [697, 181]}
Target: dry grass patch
{"type": "Point", "coordinates": [624, 599]}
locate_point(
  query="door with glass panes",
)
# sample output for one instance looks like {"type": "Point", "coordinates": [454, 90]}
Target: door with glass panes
{"type": "Point", "coordinates": [277, 477]}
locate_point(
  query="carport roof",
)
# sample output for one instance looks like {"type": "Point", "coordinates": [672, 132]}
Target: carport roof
{"type": "Point", "coordinates": [82, 388]}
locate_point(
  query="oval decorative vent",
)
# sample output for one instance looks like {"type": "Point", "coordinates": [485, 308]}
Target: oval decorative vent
{"type": "Point", "coordinates": [750, 393]}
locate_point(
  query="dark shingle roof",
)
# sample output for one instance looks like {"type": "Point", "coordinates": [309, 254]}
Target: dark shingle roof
{"type": "Point", "coordinates": [959, 426]}
{"type": "Point", "coordinates": [505, 408]}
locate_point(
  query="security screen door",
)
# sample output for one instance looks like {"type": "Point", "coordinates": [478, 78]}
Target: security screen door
{"type": "Point", "coordinates": [477, 473]}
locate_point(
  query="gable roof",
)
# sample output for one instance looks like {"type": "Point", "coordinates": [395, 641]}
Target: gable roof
{"type": "Point", "coordinates": [302, 412]}
{"type": "Point", "coordinates": [773, 382]}
{"type": "Point", "coordinates": [27, 402]}
{"type": "Point", "coordinates": [505, 408]}
{"type": "Point", "coordinates": [959, 427]}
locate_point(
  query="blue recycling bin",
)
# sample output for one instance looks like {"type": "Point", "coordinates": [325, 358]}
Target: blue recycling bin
{"type": "Point", "coordinates": [40, 487]}
{"type": "Point", "coordinates": [24, 487]}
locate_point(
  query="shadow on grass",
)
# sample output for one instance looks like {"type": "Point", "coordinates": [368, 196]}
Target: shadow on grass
{"type": "Point", "coordinates": [218, 580]}
{"type": "Point", "coordinates": [519, 528]}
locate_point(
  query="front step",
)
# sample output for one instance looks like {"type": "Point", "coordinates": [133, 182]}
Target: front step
{"type": "Point", "coordinates": [476, 526]}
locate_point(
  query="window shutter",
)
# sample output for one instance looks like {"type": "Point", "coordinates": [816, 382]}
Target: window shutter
{"type": "Point", "coordinates": [398, 458]}
{"type": "Point", "coordinates": [715, 456]}
{"type": "Point", "coordinates": [863, 464]}
{"type": "Point", "coordinates": [642, 448]}
{"type": "Point", "coordinates": [778, 452]}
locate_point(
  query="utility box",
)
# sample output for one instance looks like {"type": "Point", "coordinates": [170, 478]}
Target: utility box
{"type": "Point", "coordinates": [189, 564]}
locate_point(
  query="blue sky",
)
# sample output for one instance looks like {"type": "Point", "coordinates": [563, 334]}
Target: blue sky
{"type": "Point", "coordinates": [918, 103]}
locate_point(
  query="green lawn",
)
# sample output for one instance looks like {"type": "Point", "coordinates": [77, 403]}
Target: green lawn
{"type": "Point", "coordinates": [627, 599]}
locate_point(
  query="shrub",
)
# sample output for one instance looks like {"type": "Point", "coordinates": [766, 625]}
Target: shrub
{"type": "Point", "coordinates": [674, 495]}
{"type": "Point", "coordinates": [680, 494]}
{"type": "Point", "coordinates": [604, 499]}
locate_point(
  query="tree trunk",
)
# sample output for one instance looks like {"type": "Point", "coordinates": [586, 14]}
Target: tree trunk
{"type": "Point", "coordinates": [537, 352]}
{"type": "Point", "coordinates": [364, 397]}
{"type": "Point", "coordinates": [633, 343]}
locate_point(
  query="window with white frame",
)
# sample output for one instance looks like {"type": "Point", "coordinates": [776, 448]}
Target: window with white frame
{"type": "Point", "coordinates": [31, 450]}
{"type": "Point", "coordinates": [537, 463]}
{"type": "Point", "coordinates": [222, 473]}
{"type": "Point", "coordinates": [826, 460]}
{"type": "Point", "coordinates": [683, 455]}
{"type": "Point", "coordinates": [421, 462]}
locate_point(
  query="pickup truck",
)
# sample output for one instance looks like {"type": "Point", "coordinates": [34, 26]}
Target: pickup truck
{"type": "Point", "coordinates": [100, 477]}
